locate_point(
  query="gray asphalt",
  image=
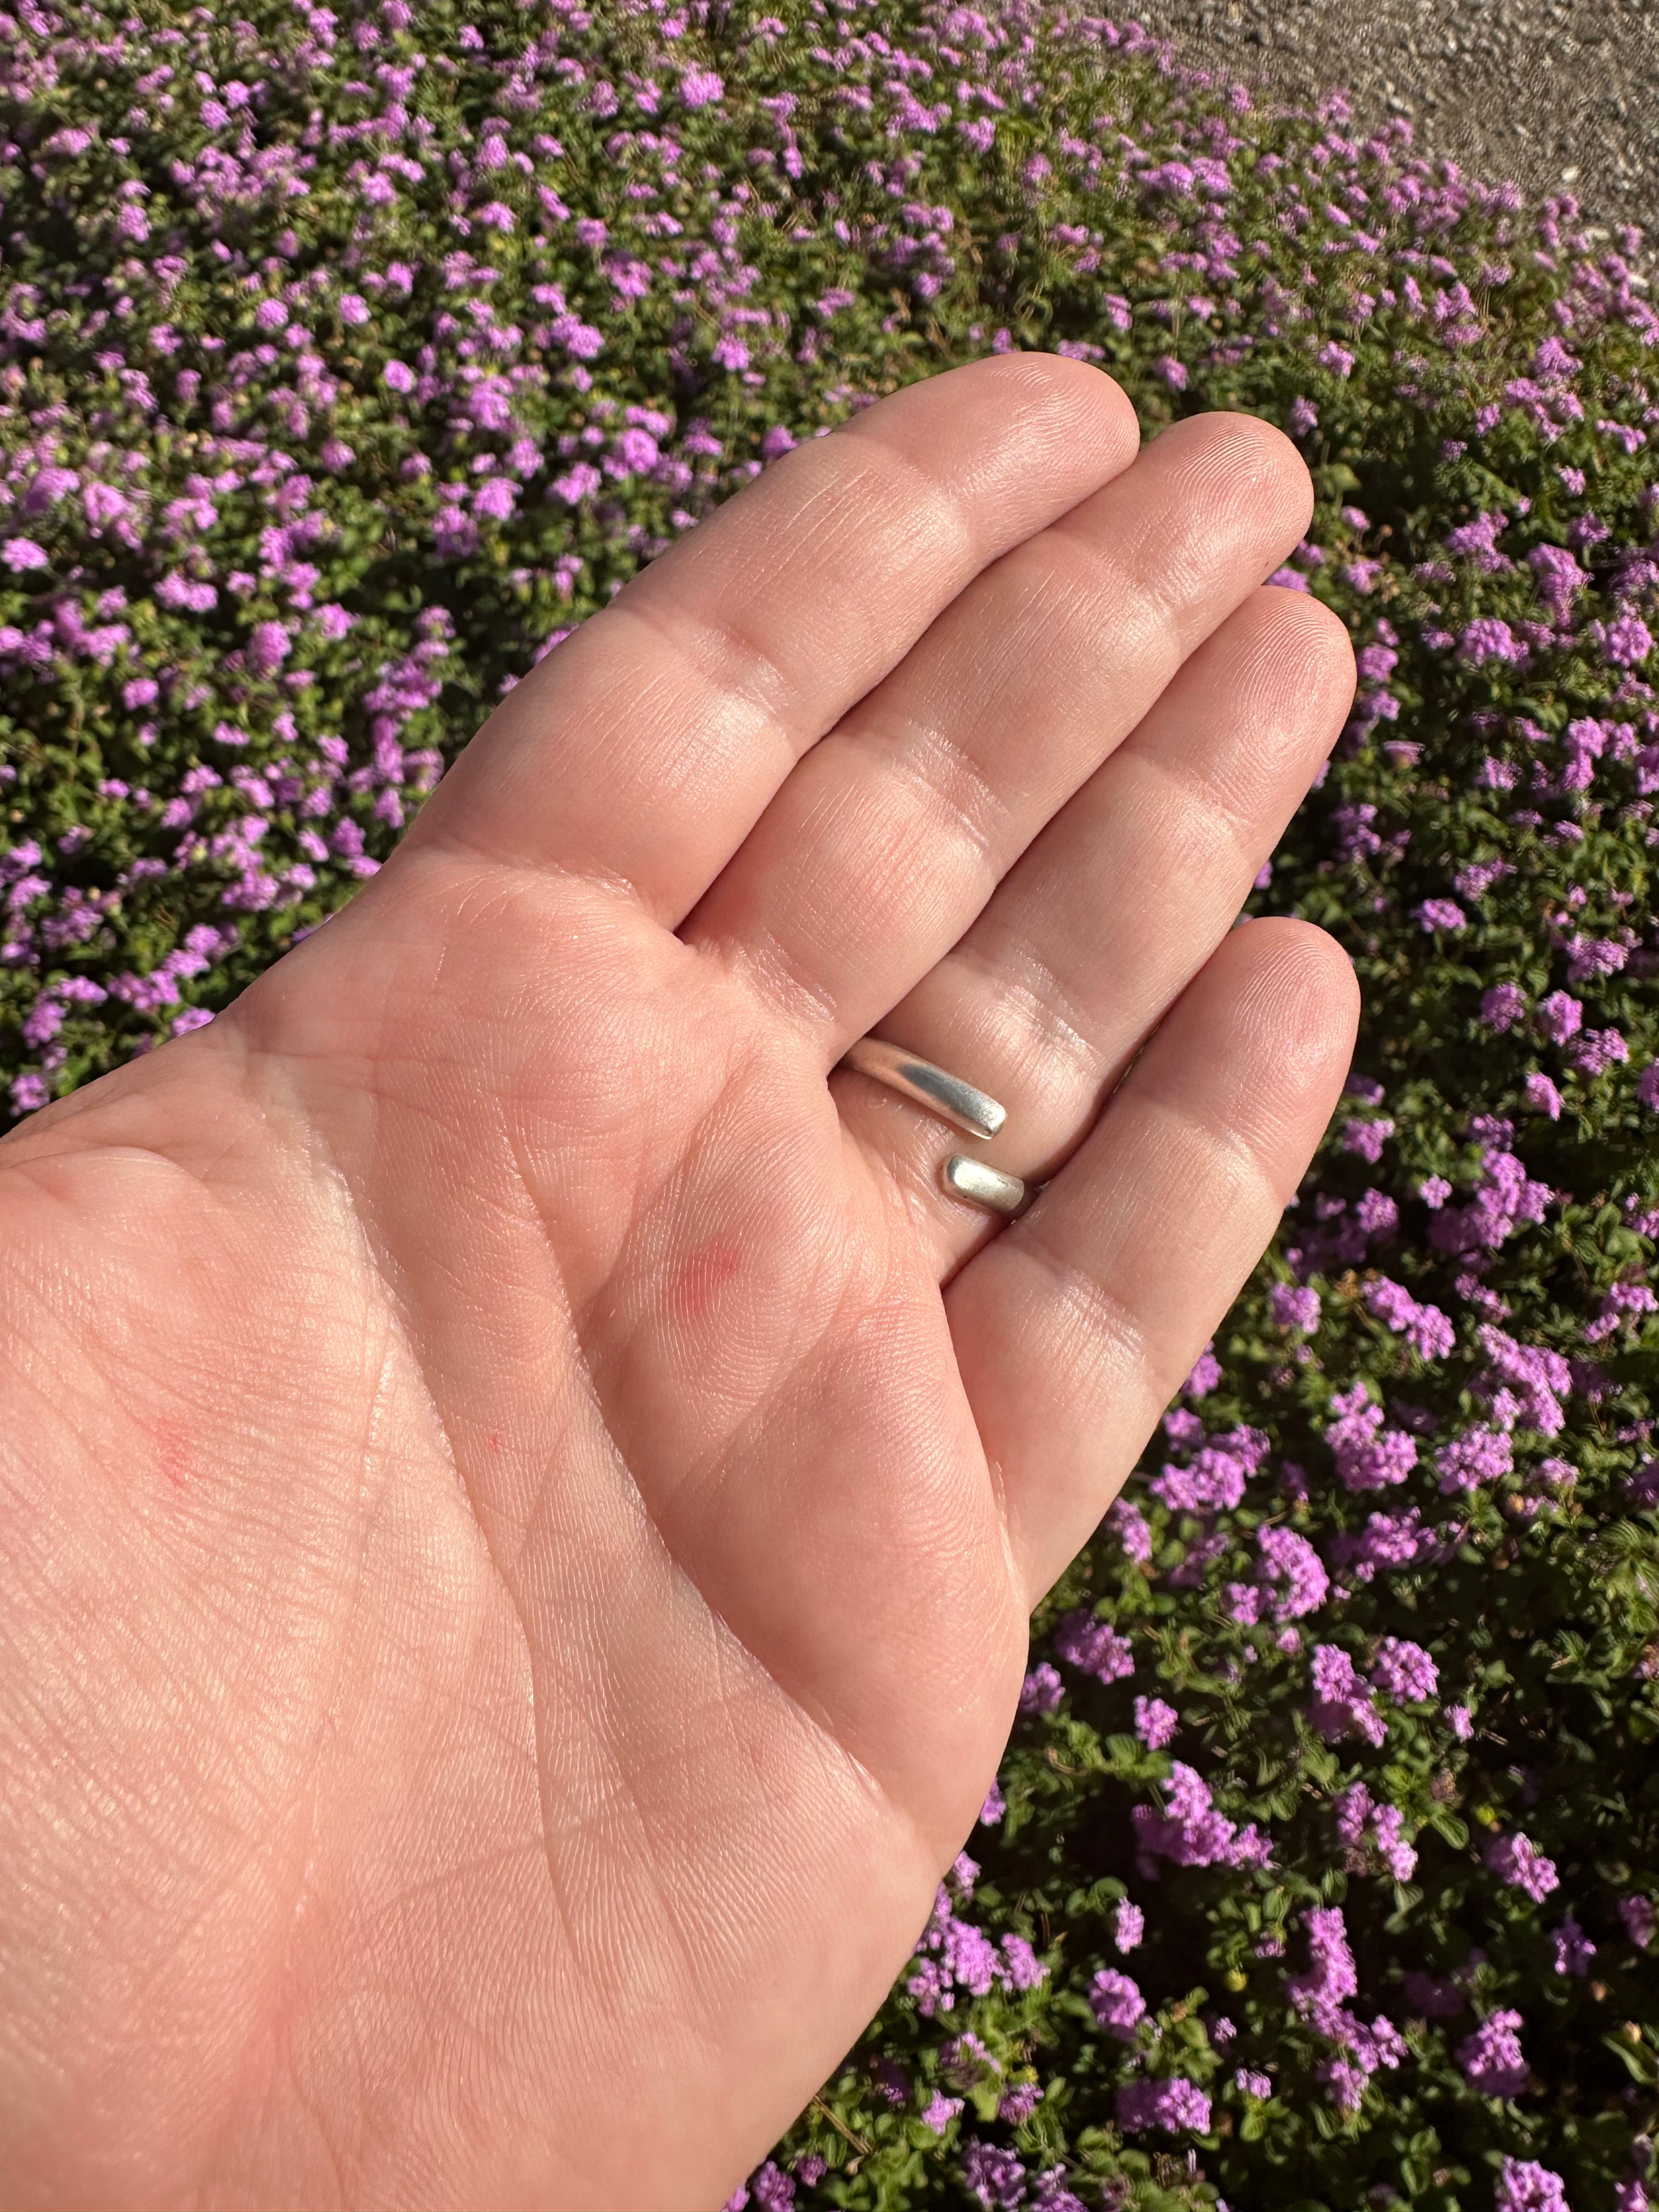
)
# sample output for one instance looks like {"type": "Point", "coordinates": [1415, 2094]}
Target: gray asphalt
{"type": "Point", "coordinates": [1553, 93]}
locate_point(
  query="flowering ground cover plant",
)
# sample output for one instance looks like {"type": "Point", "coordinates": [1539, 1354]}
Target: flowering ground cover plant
{"type": "Point", "coordinates": [347, 359]}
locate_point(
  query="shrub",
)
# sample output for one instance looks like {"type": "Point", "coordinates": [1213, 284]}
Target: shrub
{"type": "Point", "coordinates": [346, 362]}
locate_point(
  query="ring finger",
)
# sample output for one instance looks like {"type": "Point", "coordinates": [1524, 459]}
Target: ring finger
{"type": "Point", "coordinates": [1110, 913]}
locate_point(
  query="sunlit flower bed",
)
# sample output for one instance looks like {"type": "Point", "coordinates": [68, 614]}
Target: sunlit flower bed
{"type": "Point", "coordinates": [346, 361]}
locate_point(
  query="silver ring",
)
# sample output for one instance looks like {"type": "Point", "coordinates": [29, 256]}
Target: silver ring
{"type": "Point", "coordinates": [924, 1084]}
{"type": "Point", "coordinates": [985, 1186]}
{"type": "Point", "coordinates": [958, 1103]}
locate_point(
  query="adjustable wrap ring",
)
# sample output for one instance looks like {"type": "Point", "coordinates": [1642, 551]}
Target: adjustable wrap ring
{"type": "Point", "coordinates": [961, 1104]}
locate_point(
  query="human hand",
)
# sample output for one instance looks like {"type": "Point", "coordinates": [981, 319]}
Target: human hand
{"type": "Point", "coordinates": [523, 1494]}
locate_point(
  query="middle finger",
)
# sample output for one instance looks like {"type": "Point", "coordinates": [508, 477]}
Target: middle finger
{"type": "Point", "coordinates": [1112, 911]}
{"type": "Point", "coordinates": [890, 836]}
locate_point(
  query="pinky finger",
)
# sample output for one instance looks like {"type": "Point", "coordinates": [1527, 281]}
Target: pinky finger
{"type": "Point", "coordinates": [1075, 1326]}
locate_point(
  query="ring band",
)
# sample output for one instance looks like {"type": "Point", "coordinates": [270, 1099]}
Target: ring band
{"type": "Point", "coordinates": [924, 1084]}
{"type": "Point", "coordinates": [959, 1103]}
{"type": "Point", "coordinates": [983, 1186]}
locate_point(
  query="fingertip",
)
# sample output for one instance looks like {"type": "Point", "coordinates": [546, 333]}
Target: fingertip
{"type": "Point", "coordinates": [1277, 463]}
{"type": "Point", "coordinates": [1239, 477]}
{"type": "Point", "coordinates": [1307, 996]}
{"type": "Point", "coordinates": [1313, 640]}
{"type": "Point", "coordinates": [1091, 409]}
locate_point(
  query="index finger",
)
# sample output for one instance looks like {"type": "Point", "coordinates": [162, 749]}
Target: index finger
{"type": "Point", "coordinates": [644, 750]}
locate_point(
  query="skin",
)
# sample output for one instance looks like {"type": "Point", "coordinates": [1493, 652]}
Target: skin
{"type": "Point", "coordinates": [523, 1495]}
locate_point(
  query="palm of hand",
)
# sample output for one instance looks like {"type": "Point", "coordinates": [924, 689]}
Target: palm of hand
{"type": "Point", "coordinates": [532, 1495]}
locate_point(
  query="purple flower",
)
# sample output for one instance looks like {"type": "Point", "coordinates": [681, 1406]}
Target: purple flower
{"type": "Point", "coordinates": [1368, 1456]}
{"type": "Point", "coordinates": [1492, 2058]}
{"type": "Point", "coordinates": [1559, 1016]}
{"type": "Point", "coordinates": [1502, 1007]}
{"type": "Point", "coordinates": [1597, 1050]}
{"type": "Point", "coordinates": [993, 2177]}
{"type": "Point", "coordinates": [1379, 1216]}
{"type": "Point", "coordinates": [1178, 2103]}
{"type": "Point", "coordinates": [1191, 1832]}
{"type": "Point", "coordinates": [1487, 639]}
{"type": "Point", "coordinates": [993, 1809]}
{"type": "Point", "coordinates": [50, 485]}
{"type": "Point", "coordinates": [1294, 1307]}
{"type": "Point", "coordinates": [1478, 1455]}
{"type": "Point", "coordinates": [636, 452]}
{"type": "Point", "coordinates": [1207, 1373]}
{"type": "Point", "coordinates": [1216, 1480]}
{"type": "Point", "coordinates": [1638, 1917]}
{"type": "Point", "coordinates": [1132, 1529]}
{"type": "Point", "coordinates": [1517, 1861]}
{"type": "Point", "coordinates": [399, 375]}
{"type": "Point", "coordinates": [1129, 1925]}
{"type": "Point", "coordinates": [1358, 2047]}
{"type": "Point", "coordinates": [1367, 1138]}
{"type": "Point", "coordinates": [1507, 1198]}
{"type": "Point", "coordinates": [1155, 1722]}
{"type": "Point", "coordinates": [1591, 957]}
{"type": "Point", "coordinates": [1425, 1326]}
{"type": "Point", "coordinates": [1253, 2084]}
{"type": "Point", "coordinates": [1542, 1095]}
{"type": "Point", "coordinates": [699, 88]}
{"type": "Point", "coordinates": [1404, 1671]}
{"type": "Point", "coordinates": [495, 498]}
{"type": "Point", "coordinates": [1041, 1690]}
{"type": "Point", "coordinates": [1573, 1948]}
{"type": "Point", "coordinates": [21, 553]}
{"type": "Point", "coordinates": [940, 2112]}
{"type": "Point", "coordinates": [1020, 1967]}
{"type": "Point", "coordinates": [1626, 641]}
{"type": "Point", "coordinates": [1293, 1569]}
{"type": "Point", "coordinates": [581, 340]}
{"type": "Point", "coordinates": [1117, 2002]}
{"type": "Point", "coordinates": [1441, 913]}
{"type": "Point", "coordinates": [1093, 1645]}
{"type": "Point", "coordinates": [1524, 1382]}
{"type": "Point", "coordinates": [1341, 1706]}
{"type": "Point", "coordinates": [1352, 1809]}
{"type": "Point", "coordinates": [1388, 1834]}
{"type": "Point", "coordinates": [334, 621]}
{"type": "Point", "coordinates": [268, 648]}
{"type": "Point", "coordinates": [1524, 2186]}
{"type": "Point", "coordinates": [773, 2189]}
{"type": "Point", "coordinates": [578, 484]}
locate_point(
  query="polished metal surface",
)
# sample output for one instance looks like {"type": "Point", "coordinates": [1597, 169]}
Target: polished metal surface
{"type": "Point", "coordinates": [982, 1185]}
{"type": "Point", "coordinates": [926, 1085]}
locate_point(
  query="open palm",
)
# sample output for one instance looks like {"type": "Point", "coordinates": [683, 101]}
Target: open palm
{"type": "Point", "coordinates": [523, 1494]}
